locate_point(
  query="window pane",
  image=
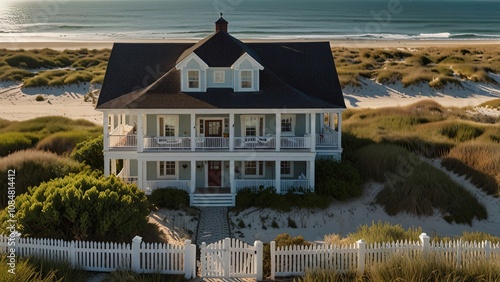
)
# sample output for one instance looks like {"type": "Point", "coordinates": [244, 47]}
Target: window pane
{"type": "Point", "coordinates": [286, 168]}
{"type": "Point", "coordinates": [251, 126]}
{"type": "Point", "coordinates": [246, 79]}
{"type": "Point", "coordinates": [193, 79]}
{"type": "Point", "coordinates": [219, 77]}
{"type": "Point", "coordinates": [286, 124]}
{"type": "Point", "coordinates": [251, 168]}
{"type": "Point", "coordinates": [167, 168]}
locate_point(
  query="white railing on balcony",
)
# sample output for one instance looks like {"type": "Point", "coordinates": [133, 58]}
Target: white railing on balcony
{"type": "Point", "coordinates": [123, 141]}
{"type": "Point", "coordinates": [122, 129]}
{"type": "Point", "coordinates": [253, 184]}
{"type": "Point", "coordinates": [327, 140]}
{"type": "Point", "coordinates": [126, 178]}
{"type": "Point", "coordinates": [254, 142]}
{"type": "Point", "coordinates": [296, 142]}
{"type": "Point", "coordinates": [158, 184]}
{"type": "Point", "coordinates": [288, 185]}
{"type": "Point", "coordinates": [212, 143]}
{"type": "Point", "coordinates": [167, 143]}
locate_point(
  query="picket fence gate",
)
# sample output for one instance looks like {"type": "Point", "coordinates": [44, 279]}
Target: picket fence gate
{"type": "Point", "coordinates": [295, 260]}
{"type": "Point", "coordinates": [231, 258]}
{"type": "Point", "coordinates": [106, 257]}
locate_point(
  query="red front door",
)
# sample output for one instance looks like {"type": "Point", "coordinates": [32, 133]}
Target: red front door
{"type": "Point", "coordinates": [214, 173]}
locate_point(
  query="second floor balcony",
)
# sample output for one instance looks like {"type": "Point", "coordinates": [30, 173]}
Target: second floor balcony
{"type": "Point", "coordinates": [164, 133]}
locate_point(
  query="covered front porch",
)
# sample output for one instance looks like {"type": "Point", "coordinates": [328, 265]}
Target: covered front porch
{"type": "Point", "coordinates": [216, 182]}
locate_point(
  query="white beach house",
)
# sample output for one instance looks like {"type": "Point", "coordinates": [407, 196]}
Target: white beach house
{"type": "Point", "coordinates": [220, 115]}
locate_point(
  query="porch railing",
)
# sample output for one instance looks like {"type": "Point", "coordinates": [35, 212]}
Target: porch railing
{"type": "Point", "coordinates": [167, 143]}
{"type": "Point", "coordinates": [127, 178]}
{"type": "Point", "coordinates": [212, 143]}
{"type": "Point", "coordinates": [327, 140]}
{"type": "Point", "coordinates": [288, 185]}
{"type": "Point", "coordinates": [296, 142]}
{"type": "Point", "coordinates": [252, 184]}
{"type": "Point", "coordinates": [254, 142]}
{"type": "Point", "coordinates": [123, 141]}
{"type": "Point", "coordinates": [179, 184]}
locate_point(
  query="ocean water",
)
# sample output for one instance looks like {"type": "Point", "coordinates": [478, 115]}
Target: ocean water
{"type": "Point", "coordinates": [256, 19]}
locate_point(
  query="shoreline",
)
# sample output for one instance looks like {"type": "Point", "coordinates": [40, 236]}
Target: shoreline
{"type": "Point", "coordinates": [353, 43]}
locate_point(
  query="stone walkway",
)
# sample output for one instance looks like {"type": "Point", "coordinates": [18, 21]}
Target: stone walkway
{"type": "Point", "coordinates": [213, 225]}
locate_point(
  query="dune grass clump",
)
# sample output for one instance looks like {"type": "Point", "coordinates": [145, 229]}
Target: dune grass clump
{"type": "Point", "coordinates": [33, 167]}
{"type": "Point", "coordinates": [415, 187]}
{"type": "Point", "coordinates": [46, 67]}
{"type": "Point", "coordinates": [492, 104]}
{"type": "Point", "coordinates": [461, 132]}
{"type": "Point", "coordinates": [62, 142]}
{"type": "Point", "coordinates": [436, 67]}
{"type": "Point", "coordinates": [479, 161]}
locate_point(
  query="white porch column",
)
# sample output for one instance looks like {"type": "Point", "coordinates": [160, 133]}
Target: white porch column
{"type": "Point", "coordinates": [278, 132]}
{"type": "Point", "coordinates": [231, 135]}
{"type": "Point", "coordinates": [277, 173]}
{"type": "Point", "coordinates": [231, 177]}
{"type": "Point", "coordinates": [193, 135]}
{"type": "Point", "coordinates": [107, 161]}
{"type": "Point", "coordinates": [113, 166]}
{"type": "Point", "coordinates": [105, 133]}
{"type": "Point", "coordinates": [313, 132]}
{"type": "Point", "coordinates": [140, 174]}
{"type": "Point", "coordinates": [193, 177]}
{"type": "Point", "coordinates": [140, 133]}
{"type": "Point", "coordinates": [339, 132]}
{"type": "Point", "coordinates": [308, 123]}
{"type": "Point", "coordinates": [112, 121]}
{"type": "Point", "coordinates": [310, 173]}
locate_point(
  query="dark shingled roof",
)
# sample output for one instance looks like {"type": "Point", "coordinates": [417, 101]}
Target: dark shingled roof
{"type": "Point", "coordinates": [295, 75]}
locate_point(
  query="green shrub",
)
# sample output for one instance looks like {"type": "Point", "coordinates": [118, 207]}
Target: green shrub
{"type": "Point", "coordinates": [40, 98]}
{"type": "Point", "coordinates": [27, 61]}
{"type": "Point", "coordinates": [32, 168]}
{"type": "Point", "coordinates": [90, 152]}
{"type": "Point", "coordinates": [384, 232]}
{"type": "Point", "coordinates": [340, 180]}
{"type": "Point", "coordinates": [82, 207]}
{"type": "Point", "coordinates": [14, 74]}
{"type": "Point", "coordinates": [169, 198]}
{"type": "Point", "coordinates": [14, 141]}
{"type": "Point", "coordinates": [280, 240]}
{"type": "Point", "coordinates": [62, 142]}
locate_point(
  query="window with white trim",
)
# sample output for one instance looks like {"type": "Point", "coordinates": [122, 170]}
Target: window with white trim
{"type": "Point", "coordinates": [253, 169]}
{"type": "Point", "coordinates": [246, 77]}
{"type": "Point", "coordinates": [252, 125]}
{"type": "Point", "coordinates": [167, 126]}
{"type": "Point", "coordinates": [286, 168]}
{"type": "Point", "coordinates": [167, 170]}
{"type": "Point", "coordinates": [193, 79]}
{"type": "Point", "coordinates": [219, 77]}
{"type": "Point", "coordinates": [288, 125]}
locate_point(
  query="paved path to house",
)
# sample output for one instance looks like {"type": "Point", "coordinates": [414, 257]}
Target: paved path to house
{"type": "Point", "coordinates": [213, 225]}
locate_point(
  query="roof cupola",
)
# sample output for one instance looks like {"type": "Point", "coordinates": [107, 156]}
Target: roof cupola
{"type": "Point", "coordinates": [221, 24]}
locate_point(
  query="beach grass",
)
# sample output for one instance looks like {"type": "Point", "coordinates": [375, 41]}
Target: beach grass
{"type": "Point", "coordinates": [433, 66]}
{"type": "Point", "coordinates": [46, 67]}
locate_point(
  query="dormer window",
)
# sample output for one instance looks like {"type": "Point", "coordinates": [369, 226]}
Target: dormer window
{"type": "Point", "coordinates": [219, 77]}
{"type": "Point", "coordinates": [193, 79]}
{"type": "Point", "coordinates": [246, 78]}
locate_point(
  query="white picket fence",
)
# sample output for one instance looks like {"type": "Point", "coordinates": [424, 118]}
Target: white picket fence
{"type": "Point", "coordinates": [106, 257]}
{"type": "Point", "coordinates": [295, 260]}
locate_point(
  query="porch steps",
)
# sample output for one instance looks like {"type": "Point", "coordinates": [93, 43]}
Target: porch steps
{"type": "Point", "coordinates": [213, 200]}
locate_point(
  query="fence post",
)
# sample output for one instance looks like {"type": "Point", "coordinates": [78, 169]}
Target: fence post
{"type": "Point", "coordinates": [487, 250]}
{"type": "Point", "coordinates": [273, 259]}
{"type": "Point", "coordinates": [425, 243]}
{"type": "Point", "coordinates": [226, 256]}
{"type": "Point", "coordinates": [136, 253]}
{"type": "Point", "coordinates": [187, 260]}
{"type": "Point", "coordinates": [361, 244]}
{"type": "Point", "coordinates": [259, 259]}
{"type": "Point", "coordinates": [72, 254]}
{"type": "Point", "coordinates": [459, 253]}
{"type": "Point", "coordinates": [203, 258]}
{"type": "Point", "coordinates": [193, 260]}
